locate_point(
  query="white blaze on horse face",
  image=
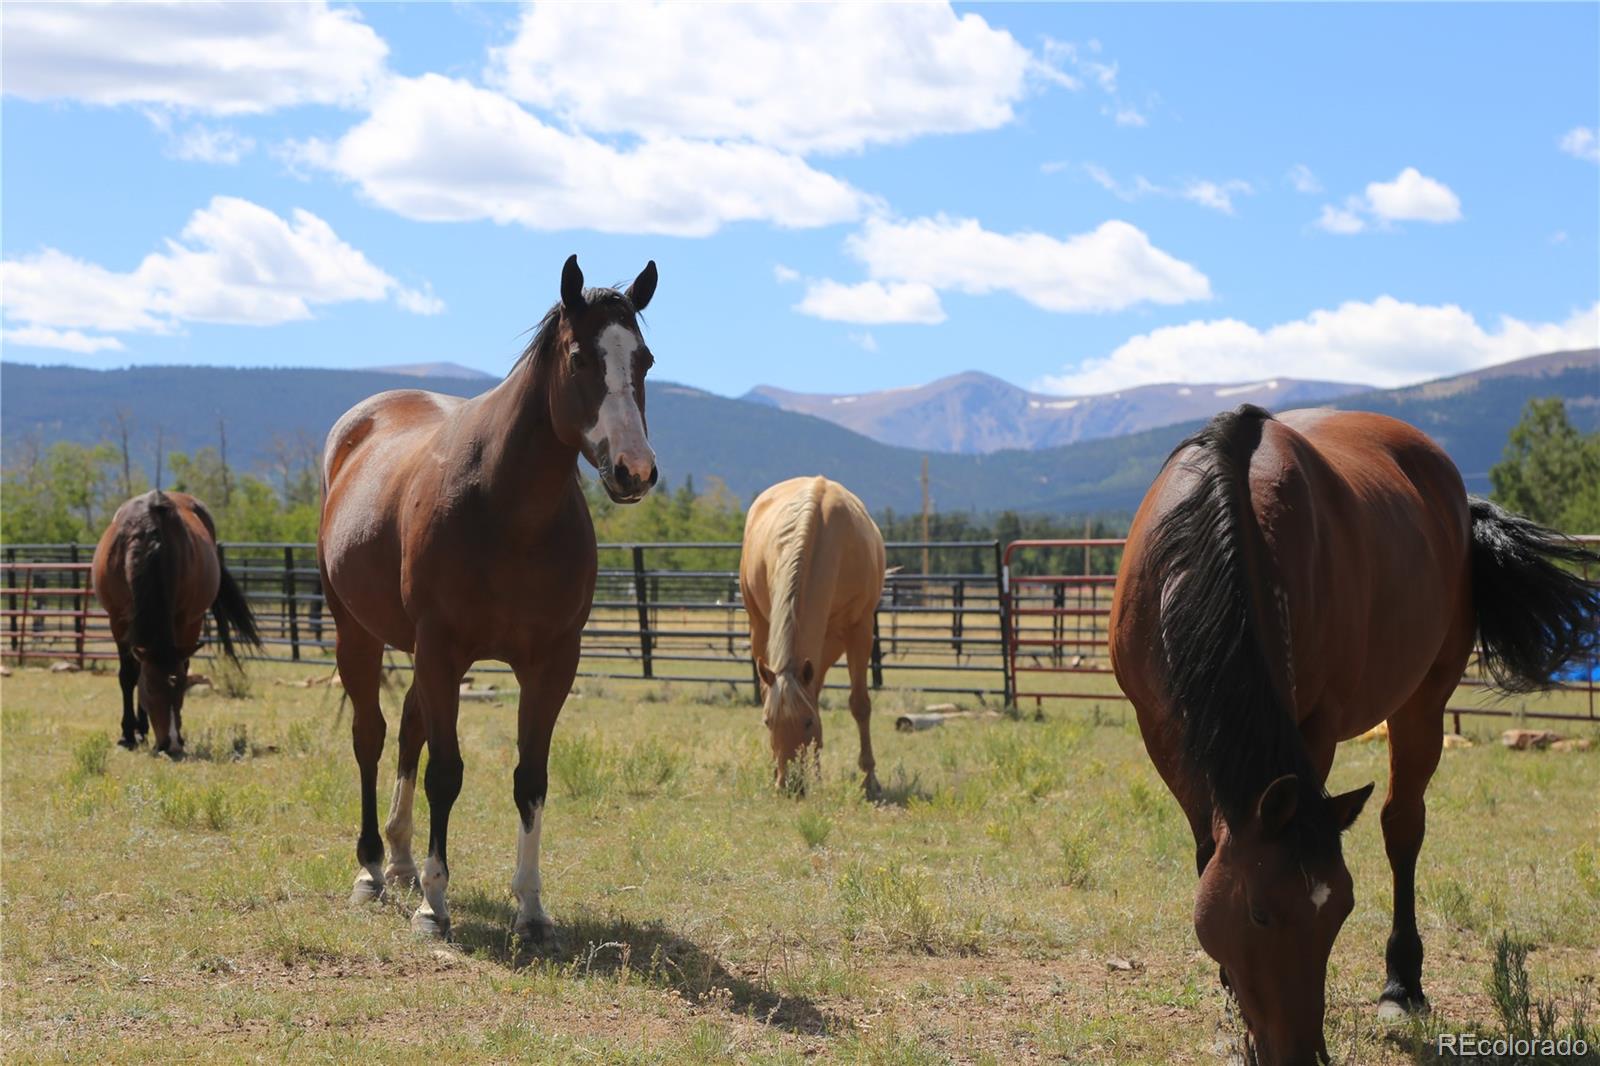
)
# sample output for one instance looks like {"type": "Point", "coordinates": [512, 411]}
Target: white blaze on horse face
{"type": "Point", "coordinates": [619, 424]}
{"type": "Point", "coordinates": [526, 884]}
{"type": "Point", "coordinates": [1319, 894]}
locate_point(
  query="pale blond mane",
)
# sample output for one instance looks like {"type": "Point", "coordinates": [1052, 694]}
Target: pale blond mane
{"type": "Point", "coordinates": [796, 530]}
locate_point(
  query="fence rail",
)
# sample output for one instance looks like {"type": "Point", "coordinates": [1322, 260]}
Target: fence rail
{"type": "Point", "coordinates": [662, 611]}
{"type": "Point", "coordinates": [1060, 642]}
{"type": "Point", "coordinates": [992, 622]}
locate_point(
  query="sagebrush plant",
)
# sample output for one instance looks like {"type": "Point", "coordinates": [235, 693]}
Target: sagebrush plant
{"type": "Point", "coordinates": [582, 765]}
{"type": "Point", "coordinates": [89, 756]}
{"type": "Point", "coordinates": [814, 827]}
{"type": "Point", "coordinates": [229, 679]}
{"type": "Point", "coordinates": [650, 766]}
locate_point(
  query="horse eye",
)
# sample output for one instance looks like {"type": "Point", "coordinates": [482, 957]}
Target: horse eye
{"type": "Point", "coordinates": [646, 360]}
{"type": "Point", "coordinates": [1258, 918]}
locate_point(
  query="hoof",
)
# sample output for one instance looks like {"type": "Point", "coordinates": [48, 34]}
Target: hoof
{"type": "Point", "coordinates": [368, 889]}
{"type": "Point", "coordinates": [1395, 1005]}
{"type": "Point", "coordinates": [426, 923]}
{"type": "Point", "coordinates": [401, 876]}
{"type": "Point", "coordinates": [872, 788]}
{"type": "Point", "coordinates": [539, 930]}
{"type": "Point", "coordinates": [129, 743]}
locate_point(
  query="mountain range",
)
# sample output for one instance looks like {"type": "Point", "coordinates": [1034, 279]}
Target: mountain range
{"type": "Point", "coordinates": [751, 445]}
{"type": "Point", "coordinates": [976, 413]}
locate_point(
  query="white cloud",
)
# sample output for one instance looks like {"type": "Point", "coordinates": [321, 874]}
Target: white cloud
{"type": "Point", "coordinates": [235, 262]}
{"type": "Point", "coordinates": [801, 77]}
{"type": "Point", "coordinates": [1087, 66]}
{"type": "Point", "coordinates": [1412, 197]}
{"type": "Point", "coordinates": [785, 274]}
{"type": "Point", "coordinates": [1106, 269]}
{"type": "Point", "coordinates": [1127, 115]}
{"type": "Point", "coordinates": [866, 341]}
{"type": "Point", "coordinates": [1303, 180]}
{"type": "Point", "coordinates": [1342, 220]}
{"type": "Point", "coordinates": [67, 340]}
{"type": "Point", "coordinates": [211, 57]}
{"type": "Point", "coordinates": [419, 301]}
{"type": "Point", "coordinates": [1385, 342]}
{"type": "Point", "coordinates": [872, 303]}
{"type": "Point", "coordinates": [437, 149]}
{"type": "Point", "coordinates": [1581, 142]}
{"type": "Point", "coordinates": [1216, 195]}
{"type": "Point", "coordinates": [204, 144]}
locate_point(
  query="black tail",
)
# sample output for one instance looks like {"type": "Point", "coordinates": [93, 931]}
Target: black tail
{"type": "Point", "coordinates": [1218, 620]}
{"type": "Point", "coordinates": [235, 621]}
{"type": "Point", "coordinates": [149, 567]}
{"type": "Point", "coordinates": [1534, 616]}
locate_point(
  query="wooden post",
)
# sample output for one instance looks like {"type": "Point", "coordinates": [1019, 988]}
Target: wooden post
{"type": "Point", "coordinates": [927, 506]}
{"type": "Point", "coordinates": [289, 601]}
{"type": "Point", "coordinates": [83, 608]}
{"type": "Point", "coordinates": [641, 598]}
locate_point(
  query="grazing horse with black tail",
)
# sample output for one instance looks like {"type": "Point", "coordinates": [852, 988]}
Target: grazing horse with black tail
{"type": "Point", "coordinates": [1289, 583]}
{"type": "Point", "coordinates": [457, 530]}
{"type": "Point", "coordinates": [156, 572]}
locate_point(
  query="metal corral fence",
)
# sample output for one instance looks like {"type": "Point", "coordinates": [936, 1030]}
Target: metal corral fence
{"type": "Point", "coordinates": [1026, 623]}
{"type": "Point", "coordinates": [1060, 637]}
{"type": "Point", "coordinates": [664, 612]}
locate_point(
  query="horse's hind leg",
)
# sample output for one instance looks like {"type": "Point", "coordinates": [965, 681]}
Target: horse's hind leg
{"type": "Point", "coordinates": [858, 657]}
{"type": "Point", "coordinates": [128, 676]}
{"type": "Point", "coordinates": [544, 689]}
{"type": "Point", "coordinates": [437, 687]}
{"type": "Point", "coordinates": [360, 659]}
{"type": "Point", "coordinates": [397, 830]}
{"type": "Point", "coordinates": [1416, 736]}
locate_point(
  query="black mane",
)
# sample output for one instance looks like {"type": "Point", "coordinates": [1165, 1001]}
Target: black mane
{"type": "Point", "coordinates": [544, 334]}
{"type": "Point", "coordinates": [1236, 732]}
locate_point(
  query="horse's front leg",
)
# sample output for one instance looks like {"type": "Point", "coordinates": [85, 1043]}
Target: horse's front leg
{"type": "Point", "coordinates": [545, 684]}
{"type": "Point", "coordinates": [858, 657]}
{"type": "Point", "coordinates": [437, 685]}
{"type": "Point", "coordinates": [1416, 737]}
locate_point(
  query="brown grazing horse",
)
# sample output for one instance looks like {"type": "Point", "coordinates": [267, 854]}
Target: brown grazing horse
{"type": "Point", "coordinates": [156, 572]}
{"type": "Point", "coordinates": [811, 572]}
{"type": "Point", "coordinates": [457, 530]}
{"type": "Point", "coordinates": [1289, 583]}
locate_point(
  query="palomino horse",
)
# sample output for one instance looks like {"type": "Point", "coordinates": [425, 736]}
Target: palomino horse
{"type": "Point", "coordinates": [1289, 583]}
{"type": "Point", "coordinates": [457, 530]}
{"type": "Point", "coordinates": [156, 572]}
{"type": "Point", "coordinates": [811, 573]}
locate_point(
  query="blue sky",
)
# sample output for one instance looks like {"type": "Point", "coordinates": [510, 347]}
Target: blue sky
{"type": "Point", "coordinates": [1073, 198]}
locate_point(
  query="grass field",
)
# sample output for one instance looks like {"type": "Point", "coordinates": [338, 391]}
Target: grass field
{"type": "Point", "coordinates": [1022, 894]}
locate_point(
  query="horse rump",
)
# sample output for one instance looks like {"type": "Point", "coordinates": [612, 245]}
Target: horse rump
{"type": "Point", "coordinates": [1536, 612]}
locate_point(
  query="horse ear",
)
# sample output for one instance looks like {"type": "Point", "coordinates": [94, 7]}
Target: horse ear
{"type": "Point", "coordinates": [807, 672]}
{"type": "Point", "coordinates": [643, 287]}
{"type": "Point", "coordinates": [1277, 804]}
{"type": "Point", "coordinates": [765, 672]}
{"type": "Point", "coordinates": [1347, 807]}
{"type": "Point", "coordinates": [572, 285]}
